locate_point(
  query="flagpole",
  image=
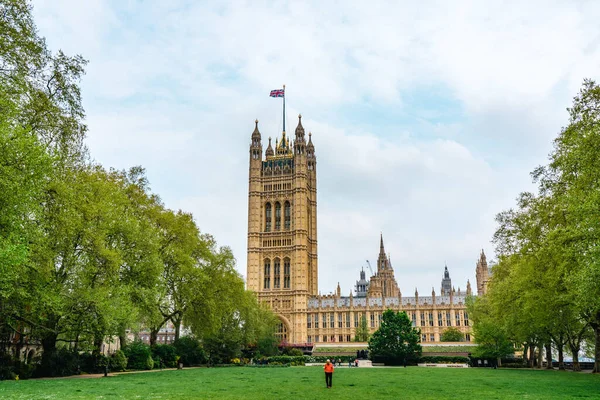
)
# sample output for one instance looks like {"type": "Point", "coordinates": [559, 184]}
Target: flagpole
{"type": "Point", "coordinates": [284, 108]}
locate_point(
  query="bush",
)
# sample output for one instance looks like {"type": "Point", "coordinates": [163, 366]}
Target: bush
{"type": "Point", "coordinates": [139, 355]}
{"type": "Point", "coordinates": [291, 351]}
{"type": "Point", "coordinates": [190, 351]}
{"type": "Point", "coordinates": [165, 353]}
{"type": "Point", "coordinates": [118, 361]}
{"type": "Point", "coordinates": [92, 363]}
{"type": "Point", "coordinates": [62, 362]}
{"type": "Point", "coordinates": [444, 360]}
{"type": "Point", "coordinates": [514, 365]}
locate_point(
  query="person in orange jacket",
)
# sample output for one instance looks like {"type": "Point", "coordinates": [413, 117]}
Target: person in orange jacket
{"type": "Point", "coordinates": [328, 373]}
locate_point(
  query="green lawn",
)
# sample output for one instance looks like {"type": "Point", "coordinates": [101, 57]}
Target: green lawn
{"type": "Point", "coordinates": [308, 383]}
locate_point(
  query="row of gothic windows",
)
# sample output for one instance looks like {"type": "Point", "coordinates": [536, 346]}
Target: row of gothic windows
{"type": "Point", "coordinates": [343, 319]}
{"type": "Point", "coordinates": [287, 214]}
{"type": "Point", "coordinates": [276, 277]}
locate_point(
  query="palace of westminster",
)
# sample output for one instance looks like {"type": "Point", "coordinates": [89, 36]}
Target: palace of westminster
{"type": "Point", "coordinates": [283, 263]}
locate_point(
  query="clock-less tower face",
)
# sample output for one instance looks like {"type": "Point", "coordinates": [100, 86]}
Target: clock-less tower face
{"type": "Point", "coordinates": [282, 228]}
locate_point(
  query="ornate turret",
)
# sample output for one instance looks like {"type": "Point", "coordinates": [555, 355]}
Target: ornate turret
{"type": "Point", "coordinates": [283, 146]}
{"type": "Point", "coordinates": [255, 145]}
{"type": "Point", "coordinates": [482, 274]}
{"type": "Point", "coordinates": [384, 277]}
{"type": "Point", "coordinates": [300, 142]}
{"type": "Point", "coordinates": [446, 283]}
{"type": "Point", "coordinates": [382, 260]}
{"type": "Point", "coordinates": [362, 285]}
{"type": "Point", "coordinates": [469, 291]}
{"type": "Point", "coordinates": [300, 130]}
{"type": "Point", "coordinates": [310, 153]}
{"type": "Point", "coordinates": [269, 152]}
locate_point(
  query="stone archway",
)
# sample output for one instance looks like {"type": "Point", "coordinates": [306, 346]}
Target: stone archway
{"type": "Point", "coordinates": [282, 333]}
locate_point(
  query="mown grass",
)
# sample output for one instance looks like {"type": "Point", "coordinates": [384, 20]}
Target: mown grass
{"type": "Point", "coordinates": [308, 383]}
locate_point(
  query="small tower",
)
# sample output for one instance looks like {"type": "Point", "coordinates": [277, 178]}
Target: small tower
{"type": "Point", "coordinates": [469, 291]}
{"type": "Point", "coordinates": [362, 285]}
{"type": "Point", "coordinates": [446, 283]}
{"type": "Point", "coordinates": [482, 274]}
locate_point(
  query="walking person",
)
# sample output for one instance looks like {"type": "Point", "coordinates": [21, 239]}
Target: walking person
{"type": "Point", "coordinates": [328, 373]}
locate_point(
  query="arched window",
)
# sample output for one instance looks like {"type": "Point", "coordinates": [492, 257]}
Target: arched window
{"type": "Point", "coordinates": [287, 215]}
{"type": "Point", "coordinates": [281, 333]}
{"type": "Point", "coordinates": [267, 282]}
{"type": "Point", "coordinates": [286, 273]}
{"type": "Point", "coordinates": [277, 216]}
{"type": "Point", "coordinates": [276, 274]}
{"type": "Point", "coordinates": [268, 217]}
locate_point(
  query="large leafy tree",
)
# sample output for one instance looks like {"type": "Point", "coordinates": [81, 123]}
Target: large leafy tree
{"type": "Point", "coordinates": [396, 342]}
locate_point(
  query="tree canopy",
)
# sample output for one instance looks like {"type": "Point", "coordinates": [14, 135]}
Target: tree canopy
{"type": "Point", "coordinates": [544, 292]}
{"type": "Point", "coordinates": [88, 252]}
{"type": "Point", "coordinates": [396, 342]}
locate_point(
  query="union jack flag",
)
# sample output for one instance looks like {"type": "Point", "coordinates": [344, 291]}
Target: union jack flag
{"type": "Point", "coordinates": [277, 93]}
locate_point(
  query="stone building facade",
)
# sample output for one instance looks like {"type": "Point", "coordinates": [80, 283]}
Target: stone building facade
{"type": "Point", "coordinates": [282, 265]}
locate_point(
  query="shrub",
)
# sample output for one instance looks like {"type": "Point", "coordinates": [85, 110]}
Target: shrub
{"type": "Point", "coordinates": [62, 362]}
{"type": "Point", "coordinates": [139, 355]}
{"type": "Point", "coordinates": [444, 360]}
{"type": "Point", "coordinates": [165, 353]}
{"type": "Point", "coordinates": [291, 351]}
{"type": "Point", "coordinates": [118, 361]}
{"type": "Point", "coordinates": [190, 351]}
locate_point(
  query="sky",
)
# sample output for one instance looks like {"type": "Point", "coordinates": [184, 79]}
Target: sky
{"type": "Point", "coordinates": [427, 117]}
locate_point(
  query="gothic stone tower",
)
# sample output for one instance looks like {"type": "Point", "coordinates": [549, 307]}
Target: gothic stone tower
{"type": "Point", "coordinates": [282, 229]}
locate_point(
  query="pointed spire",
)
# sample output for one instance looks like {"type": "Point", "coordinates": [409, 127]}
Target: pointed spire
{"type": "Point", "coordinates": [269, 151]}
{"type": "Point", "coordinates": [310, 146]}
{"type": "Point", "coordinates": [300, 129]}
{"type": "Point", "coordinates": [469, 290]}
{"type": "Point", "coordinates": [256, 133]}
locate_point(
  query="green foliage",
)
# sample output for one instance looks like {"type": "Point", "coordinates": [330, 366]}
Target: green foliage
{"type": "Point", "coordinates": [491, 337]}
{"type": "Point", "coordinates": [362, 332]}
{"type": "Point", "coordinates": [190, 351]}
{"type": "Point", "coordinates": [449, 349]}
{"type": "Point", "coordinates": [139, 355]}
{"type": "Point", "coordinates": [165, 353]}
{"type": "Point", "coordinates": [396, 342]}
{"type": "Point", "coordinates": [292, 351]}
{"type": "Point", "coordinates": [444, 359]}
{"type": "Point", "coordinates": [118, 361]}
{"type": "Point", "coordinates": [452, 335]}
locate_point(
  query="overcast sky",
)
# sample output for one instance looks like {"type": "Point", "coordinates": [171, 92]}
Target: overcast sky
{"type": "Point", "coordinates": [427, 117]}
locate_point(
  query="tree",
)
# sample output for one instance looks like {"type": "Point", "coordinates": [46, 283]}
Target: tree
{"type": "Point", "coordinates": [396, 342]}
{"type": "Point", "coordinates": [452, 335]}
{"type": "Point", "coordinates": [490, 335]}
{"type": "Point", "coordinates": [362, 331]}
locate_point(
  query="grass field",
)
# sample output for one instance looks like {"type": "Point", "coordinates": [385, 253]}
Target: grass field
{"type": "Point", "coordinates": [308, 383]}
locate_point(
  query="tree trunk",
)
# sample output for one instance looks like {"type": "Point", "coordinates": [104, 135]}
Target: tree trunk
{"type": "Point", "coordinates": [540, 356]}
{"type": "Point", "coordinates": [177, 324]}
{"type": "Point", "coordinates": [597, 349]}
{"type": "Point", "coordinates": [525, 358]}
{"type": "Point", "coordinates": [575, 353]}
{"type": "Point", "coordinates": [549, 356]}
{"type": "Point", "coordinates": [561, 357]}
{"type": "Point", "coordinates": [531, 356]}
{"type": "Point", "coordinates": [48, 348]}
{"type": "Point", "coordinates": [122, 336]}
{"type": "Point", "coordinates": [98, 340]}
{"type": "Point", "coordinates": [153, 336]}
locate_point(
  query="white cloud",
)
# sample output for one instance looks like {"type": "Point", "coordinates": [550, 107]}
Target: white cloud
{"type": "Point", "coordinates": [176, 87]}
